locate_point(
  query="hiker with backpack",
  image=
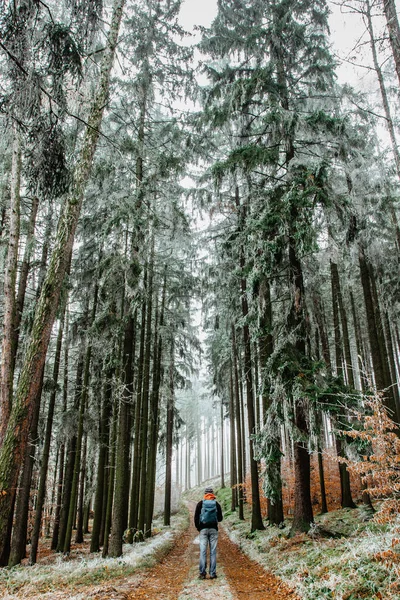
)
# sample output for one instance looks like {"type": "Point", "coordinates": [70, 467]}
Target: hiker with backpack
{"type": "Point", "coordinates": [207, 515]}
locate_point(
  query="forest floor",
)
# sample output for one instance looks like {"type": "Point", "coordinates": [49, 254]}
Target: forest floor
{"type": "Point", "coordinates": [360, 561]}
{"type": "Point", "coordinates": [172, 575]}
{"type": "Point", "coordinates": [176, 577]}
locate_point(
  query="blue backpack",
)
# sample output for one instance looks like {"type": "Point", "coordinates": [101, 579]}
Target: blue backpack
{"type": "Point", "coordinates": [208, 515]}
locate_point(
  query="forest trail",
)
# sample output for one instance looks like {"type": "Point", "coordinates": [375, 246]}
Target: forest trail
{"type": "Point", "coordinates": [176, 576]}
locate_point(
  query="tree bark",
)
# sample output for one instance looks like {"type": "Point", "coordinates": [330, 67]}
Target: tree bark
{"type": "Point", "coordinates": [256, 517]}
{"type": "Point", "coordinates": [23, 278]}
{"type": "Point", "coordinates": [81, 494]}
{"type": "Point", "coordinates": [46, 448]}
{"type": "Point", "coordinates": [70, 464]}
{"type": "Point", "coordinates": [60, 482]}
{"type": "Point", "coordinates": [344, 322]}
{"type": "Point", "coordinates": [375, 346]}
{"type": "Point", "coordinates": [238, 425]}
{"type": "Point", "coordinates": [336, 324]}
{"type": "Point", "coordinates": [154, 412]}
{"type": "Point", "coordinates": [303, 513]}
{"type": "Point", "coordinates": [362, 358]}
{"type": "Point", "coordinates": [121, 493]}
{"type": "Point", "coordinates": [135, 479]}
{"type": "Point", "coordinates": [79, 437]}
{"type": "Point", "coordinates": [110, 494]}
{"type": "Point", "coordinates": [324, 505]}
{"type": "Point", "coordinates": [18, 543]}
{"type": "Point", "coordinates": [222, 452]}
{"type": "Point", "coordinates": [233, 444]}
{"type": "Point", "coordinates": [101, 463]}
{"type": "Point", "coordinates": [389, 9]}
{"type": "Point", "coordinates": [145, 399]}
{"type": "Point", "coordinates": [10, 277]}
{"type": "Point", "coordinates": [394, 34]}
{"type": "Point", "coordinates": [169, 436]}
{"type": "Point", "coordinates": [319, 317]}
{"type": "Point", "coordinates": [346, 499]}
{"type": "Point", "coordinates": [391, 360]}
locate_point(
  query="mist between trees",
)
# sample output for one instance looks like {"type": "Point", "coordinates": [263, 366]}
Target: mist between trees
{"type": "Point", "coordinates": [111, 390]}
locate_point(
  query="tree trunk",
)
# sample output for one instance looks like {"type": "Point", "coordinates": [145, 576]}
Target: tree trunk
{"type": "Point", "coordinates": [136, 462]}
{"type": "Point", "coordinates": [238, 425]}
{"type": "Point", "coordinates": [79, 438]}
{"type": "Point", "coordinates": [391, 360]}
{"type": "Point", "coordinates": [121, 494]}
{"type": "Point", "coordinates": [18, 543]}
{"type": "Point", "coordinates": [81, 495]}
{"type": "Point", "coordinates": [69, 467]}
{"type": "Point", "coordinates": [145, 399]}
{"type": "Point", "coordinates": [169, 436]}
{"type": "Point", "coordinates": [23, 278]}
{"type": "Point", "coordinates": [199, 478]}
{"type": "Point", "coordinates": [336, 324]}
{"type": "Point", "coordinates": [233, 448]}
{"type": "Point", "coordinates": [345, 327]}
{"type": "Point", "coordinates": [383, 348]}
{"type": "Point", "coordinates": [375, 346]}
{"type": "Point", "coordinates": [101, 463]}
{"type": "Point", "coordinates": [60, 483]}
{"type": "Point", "coordinates": [324, 505]}
{"type": "Point", "coordinates": [257, 410]}
{"type": "Point", "coordinates": [303, 514]}
{"type": "Point", "coordinates": [362, 358]}
{"type": "Point", "coordinates": [394, 34]}
{"type": "Point", "coordinates": [46, 449]}
{"type": "Point", "coordinates": [319, 317]}
{"type": "Point", "coordinates": [256, 517]}
{"type": "Point", "coordinates": [222, 453]}
{"type": "Point", "coordinates": [111, 471]}
{"type": "Point", "coordinates": [10, 277]}
{"type": "Point", "coordinates": [389, 9]}
{"type": "Point", "coordinates": [154, 412]}
{"type": "Point", "coordinates": [345, 489]}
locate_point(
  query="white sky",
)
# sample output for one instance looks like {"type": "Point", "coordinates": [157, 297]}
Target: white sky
{"type": "Point", "coordinates": [195, 12]}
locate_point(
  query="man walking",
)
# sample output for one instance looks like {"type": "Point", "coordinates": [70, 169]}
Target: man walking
{"type": "Point", "coordinates": [207, 515]}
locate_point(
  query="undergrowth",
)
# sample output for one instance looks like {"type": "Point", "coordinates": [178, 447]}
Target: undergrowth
{"type": "Point", "coordinates": [90, 569]}
{"type": "Point", "coordinates": [363, 562]}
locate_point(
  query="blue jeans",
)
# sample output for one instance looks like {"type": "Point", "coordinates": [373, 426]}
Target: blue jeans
{"type": "Point", "coordinates": [207, 537]}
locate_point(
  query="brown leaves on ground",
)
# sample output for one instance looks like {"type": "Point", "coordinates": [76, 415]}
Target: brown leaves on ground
{"type": "Point", "coordinates": [247, 578]}
{"type": "Point", "coordinates": [165, 580]}
{"type": "Point", "coordinates": [179, 570]}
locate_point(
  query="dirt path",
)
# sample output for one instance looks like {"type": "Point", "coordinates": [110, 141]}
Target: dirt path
{"type": "Point", "coordinates": [176, 576]}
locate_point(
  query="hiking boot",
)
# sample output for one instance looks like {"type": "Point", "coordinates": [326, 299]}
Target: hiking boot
{"type": "Point", "coordinates": [213, 576]}
{"type": "Point", "coordinates": [202, 576]}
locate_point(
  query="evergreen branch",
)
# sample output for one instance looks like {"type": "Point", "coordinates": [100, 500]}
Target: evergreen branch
{"type": "Point", "coordinates": [52, 99]}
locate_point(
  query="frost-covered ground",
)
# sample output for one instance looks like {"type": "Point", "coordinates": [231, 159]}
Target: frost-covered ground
{"type": "Point", "coordinates": [68, 577]}
{"type": "Point", "coordinates": [363, 563]}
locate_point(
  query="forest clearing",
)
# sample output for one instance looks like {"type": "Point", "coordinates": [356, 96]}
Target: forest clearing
{"type": "Point", "coordinates": [199, 286]}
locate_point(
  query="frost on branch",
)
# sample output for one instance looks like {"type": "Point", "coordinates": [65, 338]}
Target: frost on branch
{"type": "Point", "coordinates": [379, 456]}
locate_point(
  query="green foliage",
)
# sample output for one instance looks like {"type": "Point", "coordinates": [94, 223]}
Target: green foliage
{"type": "Point", "coordinates": [47, 167]}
